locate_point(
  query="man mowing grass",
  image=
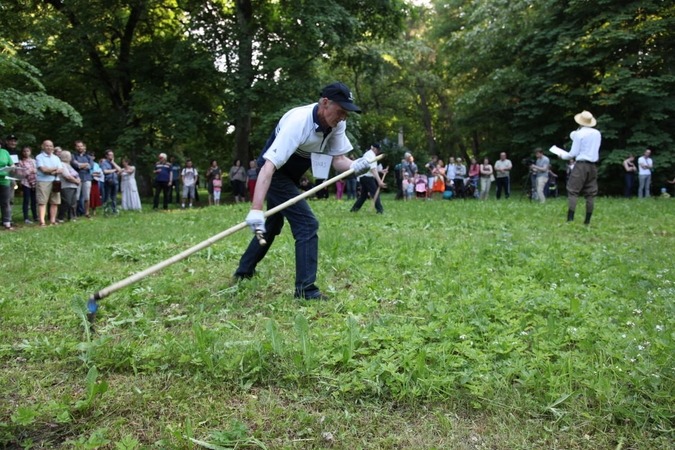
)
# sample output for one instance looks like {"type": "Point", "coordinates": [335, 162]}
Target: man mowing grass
{"type": "Point", "coordinates": [306, 133]}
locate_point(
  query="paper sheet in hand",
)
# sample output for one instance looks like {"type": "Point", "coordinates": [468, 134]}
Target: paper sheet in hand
{"type": "Point", "coordinates": [14, 173]}
{"type": "Point", "coordinates": [558, 151]}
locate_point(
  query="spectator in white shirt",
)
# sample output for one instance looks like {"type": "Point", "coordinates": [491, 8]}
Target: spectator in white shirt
{"type": "Point", "coordinates": [645, 165]}
{"type": "Point", "coordinates": [189, 179]}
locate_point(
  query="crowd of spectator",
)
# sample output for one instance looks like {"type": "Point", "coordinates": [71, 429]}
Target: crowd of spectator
{"type": "Point", "coordinates": [58, 185]}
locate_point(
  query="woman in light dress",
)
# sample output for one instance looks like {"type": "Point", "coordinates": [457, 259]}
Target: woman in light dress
{"type": "Point", "coordinates": [131, 201]}
{"type": "Point", "coordinates": [486, 176]}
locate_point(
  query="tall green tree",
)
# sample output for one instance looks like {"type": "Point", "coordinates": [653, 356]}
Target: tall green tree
{"type": "Point", "coordinates": [614, 59]}
{"type": "Point", "coordinates": [141, 83]}
{"type": "Point", "coordinates": [518, 72]}
{"type": "Point", "coordinates": [23, 96]}
{"type": "Point", "coordinates": [270, 53]}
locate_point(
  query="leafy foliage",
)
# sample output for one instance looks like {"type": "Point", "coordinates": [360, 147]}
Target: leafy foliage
{"type": "Point", "coordinates": [23, 94]}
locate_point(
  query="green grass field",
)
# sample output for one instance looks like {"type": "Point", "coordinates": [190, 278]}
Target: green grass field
{"type": "Point", "coordinates": [454, 325]}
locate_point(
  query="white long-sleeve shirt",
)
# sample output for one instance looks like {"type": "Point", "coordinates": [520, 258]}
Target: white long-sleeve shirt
{"type": "Point", "coordinates": [585, 145]}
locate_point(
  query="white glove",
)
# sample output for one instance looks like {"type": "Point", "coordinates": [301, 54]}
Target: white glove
{"type": "Point", "coordinates": [360, 165]}
{"type": "Point", "coordinates": [256, 220]}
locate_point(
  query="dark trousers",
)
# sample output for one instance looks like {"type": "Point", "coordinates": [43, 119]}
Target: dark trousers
{"type": "Point", "coordinates": [304, 227]}
{"type": "Point", "coordinates": [29, 200]}
{"type": "Point", "coordinates": [459, 187]}
{"type": "Point", "coordinates": [350, 187]}
{"type": "Point", "coordinates": [68, 204]}
{"type": "Point", "coordinates": [5, 203]}
{"type": "Point", "coordinates": [503, 183]}
{"type": "Point", "coordinates": [162, 186]}
{"type": "Point", "coordinates": [399, 189]}
{"type": "Point", "coordinates": [110, 193]}
{"type": "Point", "coordinates": [368, 186]}
{"type": "Point", "coordinates": [177, 187]}
{"type": "Point", "coordinates": [238, 188]}
{"type": "Point", "coordinates": [629, 183]}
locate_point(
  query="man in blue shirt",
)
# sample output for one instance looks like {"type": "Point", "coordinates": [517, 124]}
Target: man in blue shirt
{"type": "Point", "coordinates": [163, 181]}
{"type": "Point", "coordinates": [83, 163]}
{"type": "Point", "coordinates": [111, 171]}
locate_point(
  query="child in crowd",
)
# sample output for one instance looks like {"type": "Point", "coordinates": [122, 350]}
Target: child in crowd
{"type": "Point", "coordinates": [664, 193]}
{"type": "Point", "coordinates": [421, 186]}
{"type": "Point", "coordinates": [217, 186]}
{"type": "Point", "coordinates": [407, 187]}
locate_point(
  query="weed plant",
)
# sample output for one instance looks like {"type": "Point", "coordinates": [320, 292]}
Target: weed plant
{"type": "Point", "coordinates": [454, 324]}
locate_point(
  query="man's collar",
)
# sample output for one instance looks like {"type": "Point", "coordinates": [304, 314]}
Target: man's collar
{"type": "Point", "coordinates": [317, 122]}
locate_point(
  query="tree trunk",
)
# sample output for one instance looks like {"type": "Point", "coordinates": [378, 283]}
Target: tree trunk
{"type": "Point", "coordinates": [426, 118]}
{"type": "Point", "coordinates": [245, 77]}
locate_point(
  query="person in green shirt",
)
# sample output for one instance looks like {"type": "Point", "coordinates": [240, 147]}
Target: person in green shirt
{"type": "Point", "coordinates": [5, 191]}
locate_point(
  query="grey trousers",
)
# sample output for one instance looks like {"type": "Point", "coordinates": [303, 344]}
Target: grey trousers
{"type": "Point", "coordinates": [645, 185]}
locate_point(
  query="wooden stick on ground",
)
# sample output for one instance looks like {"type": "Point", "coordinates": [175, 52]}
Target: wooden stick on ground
{"type": "Point", "coordinates": [92, 304]}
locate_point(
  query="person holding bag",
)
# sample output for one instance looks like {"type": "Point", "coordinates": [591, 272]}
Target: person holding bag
{"type": "Point", "coordinates": [238, 180]}
{"type": "Point", "coordinates": [69, 184]}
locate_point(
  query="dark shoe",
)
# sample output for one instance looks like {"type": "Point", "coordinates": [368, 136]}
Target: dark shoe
{"type": "Point", "coordinates": [236, 279]}
{"type": "Point", "coordinates": [570, 215]}
{"type": "Point", "coordinates": [588, 218]}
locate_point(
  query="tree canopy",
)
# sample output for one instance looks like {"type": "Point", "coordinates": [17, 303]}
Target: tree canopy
{"type": "Point", "coordinates": [458, 77]}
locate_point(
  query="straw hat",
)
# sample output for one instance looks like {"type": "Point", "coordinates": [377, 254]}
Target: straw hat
{"type": "Point", "coordinates": [585, 119]}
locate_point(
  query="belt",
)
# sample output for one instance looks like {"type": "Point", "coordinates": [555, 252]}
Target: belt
{"type": "Point", "coordinates": [587, 162]}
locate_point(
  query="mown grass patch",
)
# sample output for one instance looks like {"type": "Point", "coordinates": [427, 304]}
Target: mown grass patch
{"type": "Point", "coordinates": [455, 324]}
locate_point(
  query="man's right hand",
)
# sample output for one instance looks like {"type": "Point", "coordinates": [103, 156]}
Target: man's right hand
{"type": "Point", "coordinates": [256, 220]}
{"type": "Point", "coordinates": [360, 165]}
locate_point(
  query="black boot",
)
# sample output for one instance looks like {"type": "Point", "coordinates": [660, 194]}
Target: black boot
{"type": "Point", "coordinates": [588, 218]}
{"type": "Point", "coordinates": [570, 215]}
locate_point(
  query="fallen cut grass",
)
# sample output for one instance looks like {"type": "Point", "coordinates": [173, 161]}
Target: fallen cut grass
{"type": "Point", "coordinates": [455, 324]}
